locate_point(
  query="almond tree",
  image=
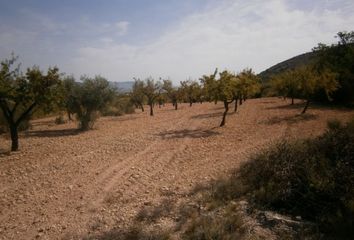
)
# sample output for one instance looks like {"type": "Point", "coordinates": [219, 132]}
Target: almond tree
{"type": "Point", "coordinates": [21, 95]}
{"type": "Point", "coordinates": [173, 93]}
{"type": "Point", "coordinates": [286, 85]}
{"type": "Point", "coordinates": [152, 90]}
{"type": "Point", "coordinates": [225, 90]}
{"type": "Point", "coordinates": [209, 86]}
{"type": "Point", "coordinates": [221, 89]}
{"type": "Point", "coordinates": [312, 81]}
{"type": "Point", "coordinates": [190, 90]}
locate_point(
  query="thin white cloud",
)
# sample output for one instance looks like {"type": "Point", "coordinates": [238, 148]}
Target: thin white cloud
{"type": "Point", "coordinates": [234, 35]}
{"type": "Point", "coordinates": [122, 27]}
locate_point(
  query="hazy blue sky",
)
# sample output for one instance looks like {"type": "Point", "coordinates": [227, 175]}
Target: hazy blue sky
{"type": "Point", "coordinates": [178, 39]}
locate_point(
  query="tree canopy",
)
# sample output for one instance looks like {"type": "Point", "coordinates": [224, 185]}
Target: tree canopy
{"type": "Point", "coordinates": [22, 94]}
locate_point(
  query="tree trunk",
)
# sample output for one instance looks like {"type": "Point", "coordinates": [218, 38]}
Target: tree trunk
{"type": "Point", "coordinates": [151, 110]}
{"type": "Point", "coordinates": [190, 103]}
{"type": "Point", "coordinates": [142, 107]}
{"type": "Point", "coordinates": [69, 116]}
{"type": "Point", "coordinates": [226, 106]}
{"type": "Point", "coordinates": [292, 101]}
{"type": "Point", "coordinates": [241, 101]}
{"type": "Point", "coordinates": [14, 137]}
{"type": "Point", "coordinates": [176, 105]}
{"type": "Point", "coordinates": [306, 106]}
{"type": "Point", "coordinates": [236, 100]}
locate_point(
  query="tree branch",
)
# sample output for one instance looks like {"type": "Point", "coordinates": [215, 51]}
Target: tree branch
{"type": "Point", "coordinates": [25, 113]}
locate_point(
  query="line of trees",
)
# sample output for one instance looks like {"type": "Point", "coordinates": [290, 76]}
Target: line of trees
{"type": "Point", "coordinates": [329, 77]}
{"type": "Point", "coordinates": [24, 94]}
{"type": "Point", "coordinates": [230, 88]}
{"type": "Point", "coordinates": [227, 88]}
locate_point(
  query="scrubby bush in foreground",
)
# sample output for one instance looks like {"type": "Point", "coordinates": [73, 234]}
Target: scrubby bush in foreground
{"type": "Point", "coordinates": [312, 178]}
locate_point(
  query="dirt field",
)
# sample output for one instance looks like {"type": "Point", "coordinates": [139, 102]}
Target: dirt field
{"type": "Point", "coordinates": [64, 184]}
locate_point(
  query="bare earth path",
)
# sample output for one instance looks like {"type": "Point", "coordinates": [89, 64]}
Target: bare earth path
{"type": "Point", "coordinates": [64, 184]}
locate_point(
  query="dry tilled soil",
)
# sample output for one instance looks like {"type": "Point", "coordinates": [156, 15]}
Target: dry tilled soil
{"type": "Point", "coordinates": [65, 184]}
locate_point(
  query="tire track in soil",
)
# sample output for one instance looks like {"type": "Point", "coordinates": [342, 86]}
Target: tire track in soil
{"type": "Point", "coordinates": [149, 161]}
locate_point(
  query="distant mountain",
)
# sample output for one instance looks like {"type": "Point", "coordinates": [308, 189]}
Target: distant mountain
{"type": "Point", "coordinates": [291, 63]}
{"type": "Point", "coordinates": [123, 86]}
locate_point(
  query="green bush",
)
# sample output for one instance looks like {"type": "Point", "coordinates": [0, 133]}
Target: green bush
{"type": "Point", "coordinates": [120, 106]}
{"type": "Point", "coordinates": [313, 178]}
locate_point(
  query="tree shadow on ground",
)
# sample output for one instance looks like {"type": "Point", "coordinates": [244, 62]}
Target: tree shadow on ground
{"type": "Point", "coordinates": [187, 133]}
{"type": "Point", "coordinates": [52, 133]}
{"type": "Point", "coordinates": [42, 122]}
{"type": "Point", "coordinates": [299, 105]}
{"type": "Point", "coordinates": [315, 105]}
{"type": "Point", "coordinates": [207, 115]}
{"type": "Point", "coordinates": [293, 119]}
{"type": "Point", "coordinates": [132, 233]}
{"type": "Point", "coordinates": [122, 118]}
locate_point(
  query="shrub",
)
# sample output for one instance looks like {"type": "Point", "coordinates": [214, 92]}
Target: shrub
{"type": "Point", "coordinates": [313, 178]}
{"type": "Point", "coordinates": [121, 105]}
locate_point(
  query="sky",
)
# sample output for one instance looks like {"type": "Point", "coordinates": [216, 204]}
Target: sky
{"type": "Point", "coordinates": [176, 39]}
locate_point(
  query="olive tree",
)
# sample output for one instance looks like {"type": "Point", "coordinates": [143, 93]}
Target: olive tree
{"type": "Point", "coordinates": [88, 98]}
{"type": "Point", "coordinates": [137, 95]}
{"type": "Point", "coordinates": [22, 94]}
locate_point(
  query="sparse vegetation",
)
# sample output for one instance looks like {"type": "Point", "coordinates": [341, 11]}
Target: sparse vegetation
{"type": "Point", "coordinates": [310, 178]}
{"type": "Point", "coordinates": [310, 181]}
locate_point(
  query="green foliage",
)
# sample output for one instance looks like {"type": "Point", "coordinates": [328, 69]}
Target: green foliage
{"type": "Point", "coordinates": [88, 98]}
{"type": "Point", "coordinates": [191, 91]}
{"type": "Point", "coordinates": [248, 84]}
{"type": "Point", "coordinates": [137, 95]}
{"type": "Point", "coordinates": [152, 91]}
{"type": "Point", "coordinates": [312, 178]}
{"type": "Point", "coordinates": [339, 59]}
{"type": "Point", "coordinates": [22, 94]}
{"type": "Point", "coordinates": [174, 94]}
{"type": "Point", "coordinates": [120, 105]}
{"type": "Point", "coordinates": [230, 87]}
{"type": "Point", "coordinates": [285, 84]}
{"type": "Point", "coordinates": [305, 82]}
{"type": "Point", "coordinates": [210, 86]}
